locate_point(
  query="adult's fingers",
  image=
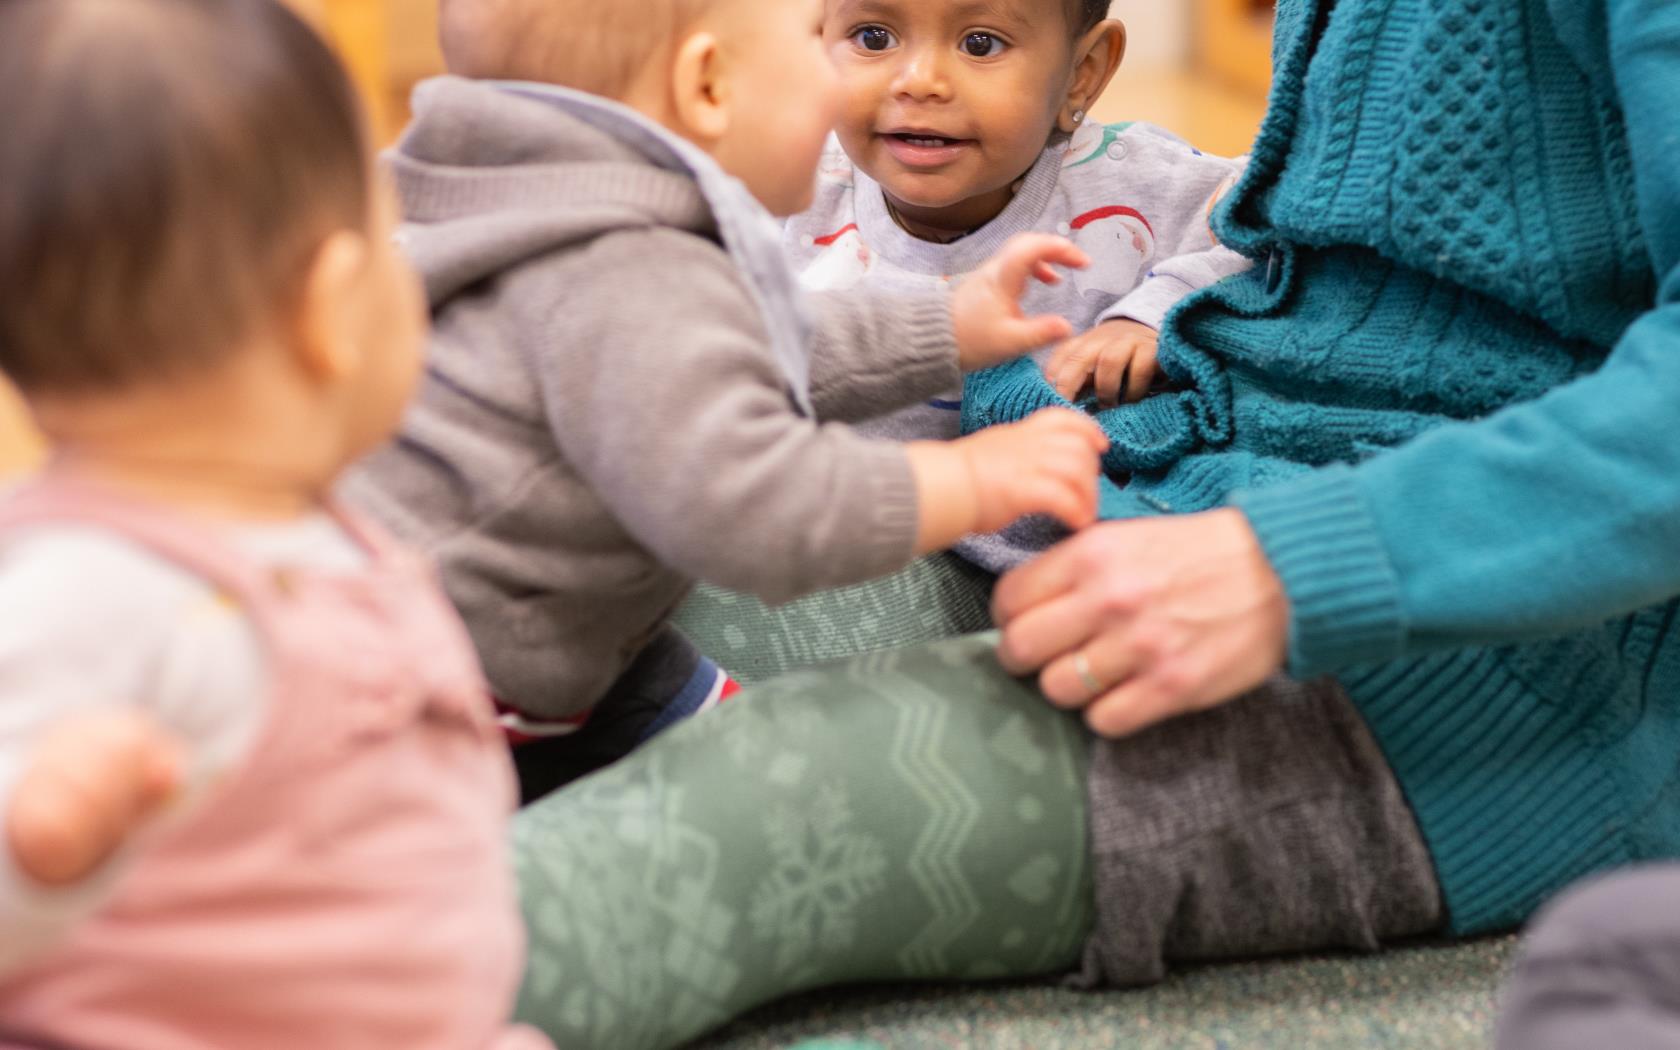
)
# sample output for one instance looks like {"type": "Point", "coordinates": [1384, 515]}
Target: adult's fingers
{"type": "Point", "coordinates": [1055, 628]}
{"type": "Point", "coordinates": [1135, 705]}
{"type": "Point", "coordinates": [1048, 576]}
{"type": "Point", "coordinates": [1107, 658]}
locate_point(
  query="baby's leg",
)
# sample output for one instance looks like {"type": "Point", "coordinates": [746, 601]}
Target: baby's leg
{"type": "Point", "coordinates": [669, 681]}
{"type": "Point", "coordinates": [1601, 968]}
{"type": "Point", "coordinates": [912, 815]}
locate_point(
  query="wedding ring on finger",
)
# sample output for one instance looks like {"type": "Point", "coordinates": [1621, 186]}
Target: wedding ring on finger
{"type": "Point", "coordinates": [1082, 668]}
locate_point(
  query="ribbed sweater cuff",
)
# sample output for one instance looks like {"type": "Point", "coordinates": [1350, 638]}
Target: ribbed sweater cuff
{"type": "Point", "coordinates": [931, 349]}
{"type": "Point", "coordinates": [1323, 542]}
{"type": "Point", "coordinates": [908, 359]}
{"type": "Point", "coordinates": [889, 543]}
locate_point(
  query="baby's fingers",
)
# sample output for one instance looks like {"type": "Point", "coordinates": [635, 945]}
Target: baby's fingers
{"type": "Point", "coordinates": [1070, 366]}
{"type": "Point", "coordinates": [1139, 378]}
{"type": "Point", "coordinates": [1030, 333]}
{"type": "Point", "coordinates": [89, 783]}
{"type": "Point", "coordinates": [1109, 377]}
{"type": "Point", "coordinates": [1073, 490]}
{"type": "Point", "coordinates": [1034, 254]}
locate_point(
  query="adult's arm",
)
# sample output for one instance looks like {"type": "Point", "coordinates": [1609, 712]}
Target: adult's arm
{"type": "Point", "coordinates": [1548, 516]}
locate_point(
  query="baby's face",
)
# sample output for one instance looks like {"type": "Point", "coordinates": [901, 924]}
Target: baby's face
{"type": "Point", "coordinates": [785, 101]}
{"type": "Point", "coordinates": [944, 101]}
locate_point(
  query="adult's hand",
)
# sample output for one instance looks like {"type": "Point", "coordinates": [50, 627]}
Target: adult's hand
{"type": "Point", "coordinates": [1139, 621]}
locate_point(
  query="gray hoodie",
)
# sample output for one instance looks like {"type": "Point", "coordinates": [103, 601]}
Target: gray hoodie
{"type": "Point", "coordinates": [603, 418]}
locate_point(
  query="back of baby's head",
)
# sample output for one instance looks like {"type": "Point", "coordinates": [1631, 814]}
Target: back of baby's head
{"type": "Point", "coordinates": [599, 46]}
{"type": "Point", "coordinates": [169, 169]}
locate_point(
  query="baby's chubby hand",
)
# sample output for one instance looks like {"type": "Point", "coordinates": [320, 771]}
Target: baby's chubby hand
{"type": "Point", "coordinates": [986, 306]}
{"type": "Point", "coordinates": [1116, 357]}
{"type": "Point", "coordinates": [1047, 463]}
{"type": "Point", "coordinates": [91, 783]}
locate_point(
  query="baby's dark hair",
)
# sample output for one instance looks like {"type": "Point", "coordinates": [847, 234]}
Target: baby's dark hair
{"type": "Point", "coordinates": [169, 169]}
{"type": "Point", "coordinates": [1087, 13]}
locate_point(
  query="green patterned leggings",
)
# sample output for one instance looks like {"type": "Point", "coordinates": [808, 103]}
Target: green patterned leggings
{"type": "Point", "coordinates": [915, 814]}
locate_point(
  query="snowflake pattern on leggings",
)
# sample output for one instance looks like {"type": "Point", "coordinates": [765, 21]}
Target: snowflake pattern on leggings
{"type": "Point", "coordinates": [823, 870]}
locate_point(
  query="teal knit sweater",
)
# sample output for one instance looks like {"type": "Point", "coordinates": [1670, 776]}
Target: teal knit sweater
{"type": "Point", "coordinates": [1448, 401]}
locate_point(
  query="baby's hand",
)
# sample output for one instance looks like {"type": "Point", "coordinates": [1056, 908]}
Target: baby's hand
{"type": "Point", "coordinates": [1116, 357]}
{"type": "Point", "coordinates": [91, 783]}
{"type": "Point", "coordinates": [986, 306]}
{"type": "Point", "coordinates": [1046, 464]}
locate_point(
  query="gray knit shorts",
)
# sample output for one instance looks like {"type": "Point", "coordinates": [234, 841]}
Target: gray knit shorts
{"type": "Point", "coordinates": [1271, 824]}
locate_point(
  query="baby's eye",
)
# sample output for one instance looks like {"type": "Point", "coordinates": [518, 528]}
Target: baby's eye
{"type": "Point", "coordinates": [982, 45]}
{"type": "Point", "coordinates": [873, 38]}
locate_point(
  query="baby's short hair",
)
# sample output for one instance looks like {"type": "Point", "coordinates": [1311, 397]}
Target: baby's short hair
{"type": "Point", "coordinates": [169, 169]}
{"type": "Point", "coordinates": [598, 46]}
{"type": "Point", "coordinates": [1087, 13]}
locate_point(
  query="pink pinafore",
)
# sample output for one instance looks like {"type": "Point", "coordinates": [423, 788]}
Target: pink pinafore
{"type": "Point", "coordinates": [347, 887]}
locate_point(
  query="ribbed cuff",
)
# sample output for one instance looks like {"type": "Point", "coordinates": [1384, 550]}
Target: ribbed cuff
{"type": "Point", "coordinates": [930, 346]}
{"type": "Point", "coordinates": [890, 543]}
{"type": "Point", "coordinates": [862, 369]}
{"type": "Point", "coordinates": [1323, 542]}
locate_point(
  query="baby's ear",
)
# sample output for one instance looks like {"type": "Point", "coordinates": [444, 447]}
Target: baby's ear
{"type": "Point", "coordinates": [1096, 59]}
{"type": "Point", "coordinates": [323, 328]}
{"type": "Point", "coordinates": [700, 89]}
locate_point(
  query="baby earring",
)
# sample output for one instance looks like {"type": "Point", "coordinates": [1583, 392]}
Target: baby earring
{"type": "Point", "coordinates": [1079, 116]}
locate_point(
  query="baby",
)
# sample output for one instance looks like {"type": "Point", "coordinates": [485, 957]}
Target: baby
{"type": "Point", "coordinates": [963, 125]}
{"type": "Point", "coordinates": [293, 837]}
{"type": "Point", "coordinates": [625, 392]}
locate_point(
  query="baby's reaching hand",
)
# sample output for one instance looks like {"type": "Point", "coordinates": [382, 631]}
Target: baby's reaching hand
{"type": "Point", "coordinates": [1116, 357]}
{"type": "Point", "coordinates": [986, 306]}
{"type": "Point", "coordinates": [91, 783]}
{"type": "Point", "coordinates": [1047, 463]}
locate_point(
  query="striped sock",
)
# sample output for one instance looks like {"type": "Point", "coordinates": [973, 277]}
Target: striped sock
{"type": "Point", "coordinates": [706, 688]}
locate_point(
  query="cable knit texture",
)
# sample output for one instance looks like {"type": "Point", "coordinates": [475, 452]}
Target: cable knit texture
{"type": "Point", "coordinates": [1444, 400]}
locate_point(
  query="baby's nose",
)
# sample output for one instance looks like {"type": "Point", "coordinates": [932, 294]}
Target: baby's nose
{"type": "Point", "coordinates": [923, 76]}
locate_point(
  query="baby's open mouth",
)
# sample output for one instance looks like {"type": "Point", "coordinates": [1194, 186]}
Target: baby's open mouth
{"type": "Point", "coordinates": [925, 150]}
{"type": "Point", "coordinates": [925, 141]}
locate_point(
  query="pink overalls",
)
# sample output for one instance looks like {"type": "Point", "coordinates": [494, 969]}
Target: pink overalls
{"type": "Point", "coordinates": [348, 887]}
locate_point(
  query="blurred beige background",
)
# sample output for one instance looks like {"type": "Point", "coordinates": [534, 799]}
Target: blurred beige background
{"type": "Point", "coordinates": [1198, 67]}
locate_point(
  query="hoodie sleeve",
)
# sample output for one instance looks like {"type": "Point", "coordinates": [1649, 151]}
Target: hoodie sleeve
{"type": "Point", "coordinates": [662, 393]}
{"type": "Point", "coordinates": [872, 352]}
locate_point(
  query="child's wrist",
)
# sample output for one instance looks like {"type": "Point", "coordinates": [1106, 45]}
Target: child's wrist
{"type": "Point", "coordinates": [947, 497]}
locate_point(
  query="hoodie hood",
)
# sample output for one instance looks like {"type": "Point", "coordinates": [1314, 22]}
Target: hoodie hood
{"type": "Point", "coordinates": [495, 174]}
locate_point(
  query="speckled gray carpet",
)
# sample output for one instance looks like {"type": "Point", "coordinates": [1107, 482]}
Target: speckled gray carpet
{"type": "Point", "coordinates": [1415, 998]}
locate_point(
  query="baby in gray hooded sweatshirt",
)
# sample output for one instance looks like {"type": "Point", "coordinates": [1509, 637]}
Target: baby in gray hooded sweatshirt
{"type": "Point", "coordinates": [625, 391]}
